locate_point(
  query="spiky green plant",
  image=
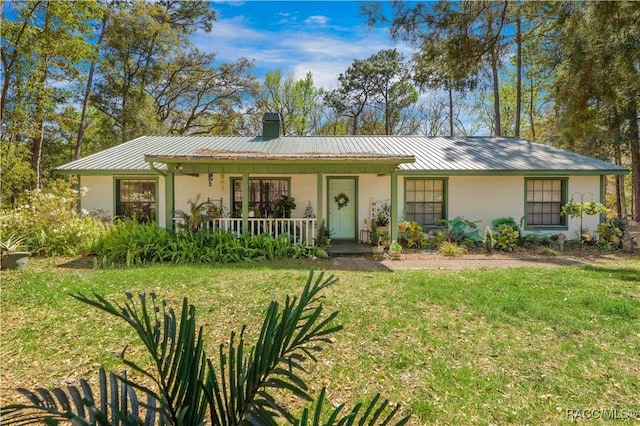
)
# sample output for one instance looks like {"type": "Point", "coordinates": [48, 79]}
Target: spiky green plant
{"type": "Point", "coordinates": [192, 220]}
{"type": "Point", "coordinates": [189, 388]}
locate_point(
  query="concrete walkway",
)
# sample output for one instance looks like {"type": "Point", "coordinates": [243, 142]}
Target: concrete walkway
{"type": "Point", "coordinates": [368, 263]}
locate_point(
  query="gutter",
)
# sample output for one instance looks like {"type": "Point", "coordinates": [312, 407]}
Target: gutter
{"type": "Point", "coordinates": [153, 167]}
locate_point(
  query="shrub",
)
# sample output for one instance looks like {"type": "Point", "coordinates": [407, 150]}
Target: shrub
{"type": "Point", "coordinates": [132, 243]}
{"type": "Point", "coordinates": [243, 386]}
{"type": "Point", "coordinates": [461, 229]}
{"type": "Point", "coordinates": [538, 240]}
{"type": "Point", "coordinates": [414, 235]}
{"type": "Point", "coordinates": [50, 224]}
{"type": "Point", "coordinates": [610, 232]}
{"type": "Point", "coordinates": [450, 249]}
{"type": "Point", "coordinates": [507, 238]}
{"type": "Point", "coordinates": [495, 223]}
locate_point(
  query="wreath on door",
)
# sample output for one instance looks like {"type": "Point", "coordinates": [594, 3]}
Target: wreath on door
{"type": "Point", "coordinates": [342, 200]}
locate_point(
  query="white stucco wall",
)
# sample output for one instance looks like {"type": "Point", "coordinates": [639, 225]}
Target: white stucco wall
{"type": "Point", "coordinates": [98, 197]}
{"type": "Point", "coordinates": [482, 198]}
{"type": "Point", "coordinates": [486, 198]}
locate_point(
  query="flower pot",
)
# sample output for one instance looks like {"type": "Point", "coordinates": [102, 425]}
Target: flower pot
{"type": "Point", "coordinates": [402, 228]}
{"type": "Point", "coordinates": [378, 251]}
{"type": "Point", "coordinates": [17, 260]}
{"type": "Point", "coordinates": [395, 254]}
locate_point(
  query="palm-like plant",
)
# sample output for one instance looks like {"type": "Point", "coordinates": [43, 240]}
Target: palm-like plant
{"type": "Point", "coordinates": [188, 387]}
{"type": "Point", "coordinates": [194, 217]}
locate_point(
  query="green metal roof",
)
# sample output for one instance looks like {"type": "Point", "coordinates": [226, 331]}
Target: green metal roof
{"type": "Point", "coordinates": [412, 154]}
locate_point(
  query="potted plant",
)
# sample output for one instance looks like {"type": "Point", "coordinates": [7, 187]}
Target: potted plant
{"type": "Point", "coordinates": [12, 257]}
{"type": "Point", "coordinates": [377, 250]}
{"type": "Point", "coordinates": [395, 250]}
{"type": "Point", "coordinates": [382, 220]}
{"type": "Point", "coordinates": [284, 206]}
{"type": "Point", "coordinates": [403, 226]}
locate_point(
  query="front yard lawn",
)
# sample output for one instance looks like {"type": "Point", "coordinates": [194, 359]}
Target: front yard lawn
{"type": "Point", "coordinates": [487, 346]}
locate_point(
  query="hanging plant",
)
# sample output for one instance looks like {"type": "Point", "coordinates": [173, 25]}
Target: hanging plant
{"type": "Point", "coordinates": [342, 200]}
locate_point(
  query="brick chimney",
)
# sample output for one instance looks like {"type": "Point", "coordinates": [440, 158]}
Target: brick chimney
{"type": "Point", "coordinates": [270, 126]}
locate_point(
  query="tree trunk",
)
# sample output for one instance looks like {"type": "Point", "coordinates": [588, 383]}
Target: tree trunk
{"type": "Point", "coordinates": [38, 140]}
{"type": "Point", "coordinates": [87, 91]}
{"type": "Point", "coordinates": [450, 111]}
{"type": "Point", "coordinates": [496, 92]}
{"type": "Point", "coordinates": [532, 111]}
{"type": "Point", "coordinates": [621, 207]}
{"type": "Point", "coordinates": [634, 145]}
{"type": "Point", "coordinates": [518, 75]}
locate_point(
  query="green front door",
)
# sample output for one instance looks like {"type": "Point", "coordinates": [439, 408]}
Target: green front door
{"type": "Point", "coordinates": [342, 208]}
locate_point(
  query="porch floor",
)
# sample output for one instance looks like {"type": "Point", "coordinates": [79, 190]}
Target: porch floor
{"type": "Point", "coordinates": [347, 247]}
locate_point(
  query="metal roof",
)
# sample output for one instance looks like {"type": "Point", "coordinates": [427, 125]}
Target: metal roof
{"type": "Point", "coordinates": [411, 153]}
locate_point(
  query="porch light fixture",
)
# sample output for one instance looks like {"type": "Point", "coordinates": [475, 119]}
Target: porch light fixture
{"type": "Point", "coordinates": [210, 177]}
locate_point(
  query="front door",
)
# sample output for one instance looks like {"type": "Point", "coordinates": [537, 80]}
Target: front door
{"type": "Point", "coordinates": [342, 208]}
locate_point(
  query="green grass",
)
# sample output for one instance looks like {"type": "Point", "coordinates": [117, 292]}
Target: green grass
{"type": "Point", "coordinates": [501, 346]}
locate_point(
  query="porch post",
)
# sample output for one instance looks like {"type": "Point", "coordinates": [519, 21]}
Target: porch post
{"type": "Point", "coordinates": [245, 203]}
{"type": "Point", "coordinates": [320, 198]}
{"type": "Point", "coordinates": [394, 207]}
{"type": "Point", "coordinates": [169, 199]}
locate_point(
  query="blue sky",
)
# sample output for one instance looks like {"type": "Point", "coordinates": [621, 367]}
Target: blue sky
{"type": "Point", "coordinates": [323, 37]}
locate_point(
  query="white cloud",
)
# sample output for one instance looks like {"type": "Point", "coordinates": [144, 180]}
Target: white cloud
{"type": "Point", "coordinates": [324, 51]}
{"type": "Point", "coordinates": [317, 20]}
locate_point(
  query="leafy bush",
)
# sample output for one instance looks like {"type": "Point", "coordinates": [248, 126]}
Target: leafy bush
{"type": "Point", "coordinates": [461, 229]}
{"type": "Point", "coordinates": [450, 249]}
{"type": "Point", "coordinates": [507, 238]}
{"type": "Point", "coordinates": [132, 243]}
{"type": "Point", "coordinates": [610, 232]}
{"type": "Point", "coordinates": [495, 223]}
{"type": "Point", "coordinates": [538, 240]}
{"type": "Point", "coordinates": [190, 388]}
{"type": "Point", "coordinates": [414, 235]}
{"type": "Point", "coordinates": [50, 224]}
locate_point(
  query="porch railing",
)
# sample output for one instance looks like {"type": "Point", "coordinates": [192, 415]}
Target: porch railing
{"type": "Point", "coordinates": [300, 230]}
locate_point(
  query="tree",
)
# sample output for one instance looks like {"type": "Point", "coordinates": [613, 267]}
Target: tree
{"type": "Point", "coordinates": [464, 36]}
{"type": "Point", "coordinates": [89, 84]}
{"type": "Point", "coordinates": [134, 47]}
{"type": "Point", "coordinates": [193, 97]}
{"type": "Point", "coordinates": [380, 82]}
{"type": "Point", "coordinates": [42, 48]}
{"type": "Point", "coordinates": [597, 81]}
{"type": "Point", "coordinates": [298, 102]}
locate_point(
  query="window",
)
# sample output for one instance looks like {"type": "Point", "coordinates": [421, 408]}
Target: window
{"type": "Point", "coordinates": [544, 201]}
{"type": "Point", "coordinates": [263, 193]}
{"type": "Point", "coordinates": [136, 198]}
{"type": "Point", "coordinates": [425, 201]}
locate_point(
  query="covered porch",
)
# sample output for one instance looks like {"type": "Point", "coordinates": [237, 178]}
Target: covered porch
{"type": "Point", "coordinates": [300, 230]}
{"type": "Point", "coordinates": [316, 182]}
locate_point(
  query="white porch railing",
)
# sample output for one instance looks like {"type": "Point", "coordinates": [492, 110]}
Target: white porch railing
{"type": "Point", "coordinates": [300, 230]}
